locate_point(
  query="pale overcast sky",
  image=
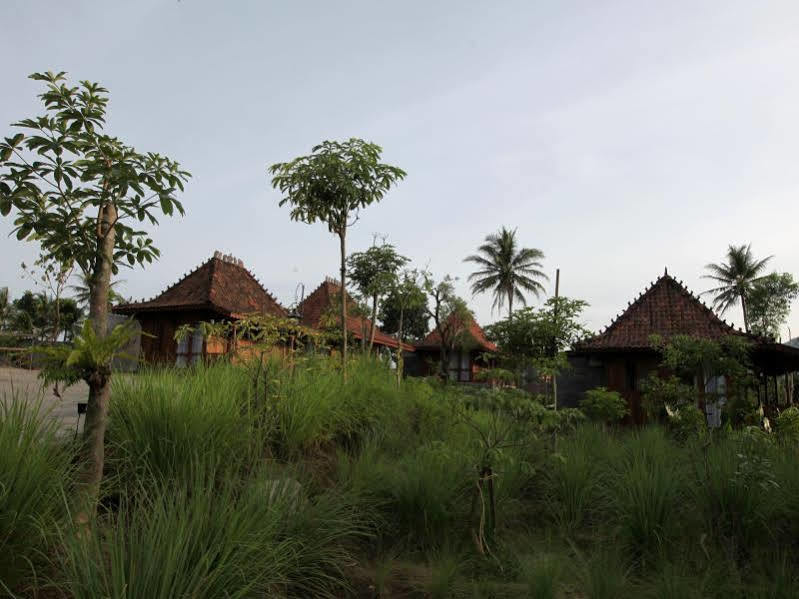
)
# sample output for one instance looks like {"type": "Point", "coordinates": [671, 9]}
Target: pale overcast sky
{"type": "Point", "coordinates": [618, 137]}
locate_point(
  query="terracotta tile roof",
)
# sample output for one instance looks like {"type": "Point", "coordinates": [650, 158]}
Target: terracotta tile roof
{"type": "Point", "coordinates": [218, 284]}
{"type": "Point", "coordinates": [322, 299]}
{"type": "Point", "coordinates": [433, 339]}
{"type": "Point", "coordinates": [666, 308]}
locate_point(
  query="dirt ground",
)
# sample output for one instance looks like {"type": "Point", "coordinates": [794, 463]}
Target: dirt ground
{"type": "Point", "coordinates": [26, 382]}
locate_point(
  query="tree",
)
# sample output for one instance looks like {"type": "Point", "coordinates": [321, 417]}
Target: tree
{"type": "Point", "coordinates": [332, 185]}
{"type": "Point", "coordinates": [31, 314]}
{"type": "Point", "coordinates": [406, 295]}
{"type": "Point", "coordinates": [451, 317]}
{"type": "Point", "coordinates": [404, 311]}
{"type": "Point", "coordinates": [82, 291]}
{"type": "Point", "coordinates": [506, 270]}
{"type": "Point", "coordinates": [52, 276]}
{"type": "Point", "coordinates": [770, 301]}
{"type": "Point", "coordinates": [736, 276]}
{"type": "Point", "coordinates": [5, 307]}
{"type": "Point", "coordinates": [536, 337]}
{"type": "Point", "coordinates": [75, 190]}
{"type": "Point", "coordinates": [375, 273]}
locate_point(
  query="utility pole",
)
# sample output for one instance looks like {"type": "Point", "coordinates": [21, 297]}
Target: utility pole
{"type": "Point", "coordinates": [555, 318]}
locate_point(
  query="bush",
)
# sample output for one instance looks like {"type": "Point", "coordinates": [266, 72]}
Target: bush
{"type": "Point", "coordinates": [687, 422]}
{"type": "Point", "coordinates": [603, 405]}
{"type": "Point", "coordinates": [787, 425]}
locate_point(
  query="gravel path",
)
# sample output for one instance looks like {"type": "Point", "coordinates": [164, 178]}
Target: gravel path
{"type": "Point", "coordinates": [26, 382]}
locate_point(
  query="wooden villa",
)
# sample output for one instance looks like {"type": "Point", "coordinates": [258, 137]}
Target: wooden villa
{"type": "Point", "coordinates": [320, 310]}
{"type": "Point", "coordinates": [466, 359]}
{"type": "Point", "coordinates": [220, 289]}
{"type": "Point", "coordinates": [622, 356]}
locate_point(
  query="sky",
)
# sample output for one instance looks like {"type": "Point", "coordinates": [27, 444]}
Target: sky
{"type": "Point", "coordinates": [619, 137]}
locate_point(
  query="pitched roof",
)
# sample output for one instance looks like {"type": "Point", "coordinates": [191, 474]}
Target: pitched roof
{"type": "Point", "coordinates": [322, 299]}
{"type": "Point", "coordinates": [433, 339]}
{"type": "Point", "coordinates": [218, 284]}
{"type": "Point", "coordinates": [665, 308]}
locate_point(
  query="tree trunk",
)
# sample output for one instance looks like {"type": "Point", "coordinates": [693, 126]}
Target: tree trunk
{"type": "Point", "coordinates": [400, 361]}
{"type": "Point", "coordinates": [57, 325]}
{"type": "Point", "coordinates": [510, 304]}
{"type": "Point", "coordinates": [374, 317]}
{"type": "Point", "coordinates": [93, 450]}
{"type": "Point", "coordinates": [343, 245]}
{"type": "Point", "coordinates": [746, 315]}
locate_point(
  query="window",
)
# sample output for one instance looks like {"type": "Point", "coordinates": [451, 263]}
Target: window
{"type": "Point", "coordinates": [460, 366]}
{"type": "Point", "coordinates": [631, 376]}
{"type": "Point", "coordinates": [190, 349]}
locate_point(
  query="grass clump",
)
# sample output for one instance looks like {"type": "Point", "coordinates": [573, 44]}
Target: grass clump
{"type": "Point", "coordinates": [35, 478]}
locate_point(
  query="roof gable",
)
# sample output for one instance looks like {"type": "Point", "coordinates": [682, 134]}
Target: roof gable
{"type": "Point", "coordinates": [313, 308]}
{"type": "Point", "coordinates": [218, 284]}
{"type": "Point", "coordinates": [475, 331]}
{"type": "Point", "coordinates": [666, 308]}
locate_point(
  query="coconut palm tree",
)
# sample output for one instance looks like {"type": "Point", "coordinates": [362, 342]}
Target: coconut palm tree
{"type": "Point", "coordinates": [506, 270]}
{"type": "Point", "coordinates": [737, 275]}
{"type": "Point", "coordinates": [81, 291]}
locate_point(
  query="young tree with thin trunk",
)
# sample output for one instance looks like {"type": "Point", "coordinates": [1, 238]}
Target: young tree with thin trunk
{"type": "Point", "coordinates": [331, 185]}
{"type": "Point", "coordinates": [375, 273]}
{"type": "Point", "coordinates": [736, 277]}
{"type": "Point", "coordinates": [52, 277]}
{"type": "Point", "coordinates": [507, 270]}
{"type": "Point", "coordinates": [451, 317]}
{"type": "Point", "coordinates": [406, 295]}
{"type": "Point", "coordinates": [76, 190]}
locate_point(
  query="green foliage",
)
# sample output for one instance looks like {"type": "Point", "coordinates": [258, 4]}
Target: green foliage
{"type": "Point", "coordinates": [64, 169]}
{"type": "Point", "coordinates": [603, 405]}
{"type": "Point", "coordinates": [787, 425]}
{"type": "Point", "coordinates": [736, 278]}
{"type": "Point", "coordinates": [506, 270]}
{"type": "Point", "coordinates": [336, 180]}
{"type": "Point", "coordinates": [662, 395]}
{"type": "Point", "coordinates": [406, 304]}
{"type": "Point", "coordinates": [769, 303]}
{"type": "Point", "coordinates": [687, 422]}
{"type": "Point", "coordinates": [90, 355]}
{"type": "Point", "coordinates": [374, 271]}
{"type": "Point", "coordinates": [207, 540]}
{"type": "Point", "coordinates": [214, 490]}
{"type": "Point", "coordinates": [163, 421]}
{"type": "Point", "coordinates": [535, 337]}
{"type": "Point", "coordinates": [35, 474]}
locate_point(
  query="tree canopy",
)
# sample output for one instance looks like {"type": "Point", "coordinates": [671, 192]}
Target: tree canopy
{"type": "Point", "coordinates": [506, 270]}
{"type": "Point", "coordinates": [770, 302]}
{"type": "Point", "coordinates": [736, 277]}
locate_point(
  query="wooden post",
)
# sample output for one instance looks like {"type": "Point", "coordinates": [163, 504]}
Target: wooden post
{"type": "Point", "coordinates": [555, 316]}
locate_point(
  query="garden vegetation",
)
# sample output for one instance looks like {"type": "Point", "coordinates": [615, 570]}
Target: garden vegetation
{"type": "Point", "coordinates": [320, 488]}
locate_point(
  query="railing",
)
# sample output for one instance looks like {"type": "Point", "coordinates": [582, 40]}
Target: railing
{"type": "Point", "coordinates": [22, 352]}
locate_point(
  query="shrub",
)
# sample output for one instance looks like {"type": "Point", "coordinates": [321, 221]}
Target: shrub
{"type": "Point", "coordinates": [665, 393]}
{"type": "Point", "coordinates": [787, 425]}
{"type": "Point", "coordinates": [687, 422]}
{"type": "Point", "coordinates": [603, 405]}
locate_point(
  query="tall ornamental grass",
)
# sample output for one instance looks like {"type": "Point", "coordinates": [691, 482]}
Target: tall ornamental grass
{"type": "Point", "coordinates": [35, 476]}
{"type": "Point", "coordinates": [211, 539]}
